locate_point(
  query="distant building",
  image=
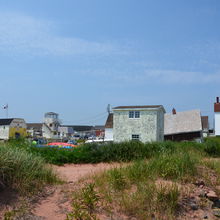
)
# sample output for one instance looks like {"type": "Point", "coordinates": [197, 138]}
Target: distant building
{"type": "Point", "coordinates": [144, 123]}
{"type": "Point", "coordinates": [205, 126]}
{"type": "Point", "coordinates": [179, 126]}
{"type": "Point", "coordinates": [34, 129]}
{"type": "Point", "coordinates": [109, 127]}
{"type": "Point", "coordinates": [50, 126]}
{"type": "Point", "coordinates": [99, 131]}
{"type": "Point", "coordinates": [217, 117]}
{"type": "Point", "coordinates": [12, 128]}
{"type": "Point", "coordinates": [65, 131]}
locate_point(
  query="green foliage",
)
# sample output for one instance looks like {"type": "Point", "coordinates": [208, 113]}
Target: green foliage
{"type": "Point", "coordinates": [84, 204]}
{"type": "Point", "coordinates": [173, 166]}
{"type": "Point", "coordinates": [212, 146]}
{"type": "Point", "coordinates": [23, 171]}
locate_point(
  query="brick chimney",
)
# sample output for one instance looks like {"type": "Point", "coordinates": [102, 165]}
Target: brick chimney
{"type": "Point", "coordinates": [174, 111]}
{"type": "Point", "coordinates": [217, 105]}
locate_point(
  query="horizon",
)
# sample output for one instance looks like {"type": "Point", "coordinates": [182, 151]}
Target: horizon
{"type": "Point", "coordinates": [76, 57]}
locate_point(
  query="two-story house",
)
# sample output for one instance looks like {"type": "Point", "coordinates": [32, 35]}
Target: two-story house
{"type": "Point", "coordinates": [144, 123]}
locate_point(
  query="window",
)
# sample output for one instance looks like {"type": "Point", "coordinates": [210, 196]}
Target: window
{"type": "Point", "coordinates": [134, 114]}
{"type": "Point", "coordinates": [131, 114]}
{"type": "Point", "coordinates": [135, 137]}
{"type": "Point", "coordinates": [137, 114]}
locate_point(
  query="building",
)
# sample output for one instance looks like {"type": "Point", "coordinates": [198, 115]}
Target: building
{"type": "Point", "coordinates": [51, 125]}
{"type": "Point", "coordinates": [179, 126]}
{"type": "Point", "coordinates": [34, 129]}
{"type": "Point", "coordinates": [217, 117]}
{"type": "Point", "coordinates": [12, 128]}
{"type": "Point", "coordinates": [144, 123]}
{"type": "Point", "coordinates": [109, 127]}
{"type": "Point", "coordinates": [205, 125]}
{"type": "Point", "coordinates": [99, 131]}
{"type": "Point", "coordinates": [65, 132]}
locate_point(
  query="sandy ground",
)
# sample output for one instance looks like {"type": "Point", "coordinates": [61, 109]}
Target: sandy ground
{"type": "Point", "coordinates": [55, 206]}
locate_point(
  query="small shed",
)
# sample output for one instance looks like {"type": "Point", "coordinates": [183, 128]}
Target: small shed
{"type": "Point", "coordinates": [12, 128]}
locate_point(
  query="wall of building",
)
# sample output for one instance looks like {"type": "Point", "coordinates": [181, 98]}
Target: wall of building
{"type": "Point", "coordinates": [217, 123]}
{"type": "Point", "coordinates": [160, 125]}
{"type": "Point", "coordinates": [147, 126]}
{"type": "Point", "coordinates": [4, 132]}
{"type": "Point", "coordinates": [18, 128]}
{"type": "Point", "coordinates": [109, 133]}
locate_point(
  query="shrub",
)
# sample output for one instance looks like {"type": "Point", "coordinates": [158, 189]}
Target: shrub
{"type": "Point", "coordinates": [23, 171]}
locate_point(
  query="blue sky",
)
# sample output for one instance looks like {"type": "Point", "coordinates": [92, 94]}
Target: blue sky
{"type": "Point", "coordinates": [74, 57]}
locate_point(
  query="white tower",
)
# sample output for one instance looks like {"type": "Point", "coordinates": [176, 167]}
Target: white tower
{"type": "Point", "coordinates": [51, 120]}
{"type": "Point", "coordinates": [217, 117]}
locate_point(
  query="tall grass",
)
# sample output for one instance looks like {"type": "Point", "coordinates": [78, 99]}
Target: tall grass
{"type": "Point", "coordinates": [24, 171]}
{"type": "Point", "coordinates": [134, 189]}
{"type": "Point", "coordinates": [108, 152]}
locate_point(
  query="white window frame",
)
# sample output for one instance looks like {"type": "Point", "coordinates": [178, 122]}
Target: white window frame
{"type": "Point", "coordinates": [134, 114]}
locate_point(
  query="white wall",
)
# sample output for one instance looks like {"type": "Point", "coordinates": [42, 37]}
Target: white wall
{"type": "Point", "coordinates": [149, 126]}
{"type": "Point", "coordinates": [217, 123]}
{"type": "Point", "coordinates": [4, 132]}
{"type": "Point", "coordinates": [109, 133]}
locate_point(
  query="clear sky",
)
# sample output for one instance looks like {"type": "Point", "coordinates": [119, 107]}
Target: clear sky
{"type": "Point", "coordinates": [74, 57]}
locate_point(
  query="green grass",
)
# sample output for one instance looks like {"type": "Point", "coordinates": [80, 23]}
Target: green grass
{"type": "Point", "coordinates": [24, 171]}
{"type": "Point", "coordinates": [109, 152]}
{"type": "Point", "coordinates": [134, 191]}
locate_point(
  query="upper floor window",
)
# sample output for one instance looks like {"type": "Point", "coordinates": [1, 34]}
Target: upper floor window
{"type": "Point", "coordinates": [134, 114]}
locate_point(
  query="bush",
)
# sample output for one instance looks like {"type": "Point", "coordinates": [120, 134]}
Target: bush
{"type": "Point", "coordinates": [23, 171]}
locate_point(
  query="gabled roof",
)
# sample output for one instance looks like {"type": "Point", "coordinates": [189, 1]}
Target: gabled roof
{"type": "Point", "coordinates": [182, 122]}
{"type": "Point", "coordinates": [109, 121]}
{"type": "Point", "coordinates": [6, 121]}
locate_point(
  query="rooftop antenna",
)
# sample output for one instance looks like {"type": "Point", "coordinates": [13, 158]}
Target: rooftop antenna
{"type": "Point", "coordinates": [109, 108]}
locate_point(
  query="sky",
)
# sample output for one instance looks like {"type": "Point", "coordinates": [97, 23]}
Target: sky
{"type": "Point", "coordinates": [75, 57]}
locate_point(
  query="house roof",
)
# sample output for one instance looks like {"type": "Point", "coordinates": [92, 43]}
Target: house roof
{"type": "Point", "coordinates": [34, 126]}
{"type": "Point", "coordinates": [205, 122]}
{"type": "Point", "coordinates": [80, 127]}
{"type": "Point", "coordinates": [6, 121]}
{"type": "Point", "coordinates": [182, 122]}
{"type": "Point", "coordinates": [99, 127]}
{"type": "Point", "coordinates": [109, 121]}
{"type": "Point", "coordinates": [138, 106]}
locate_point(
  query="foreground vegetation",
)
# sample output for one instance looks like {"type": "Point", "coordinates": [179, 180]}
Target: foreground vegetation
{"type": "Point", "coordinates": [23, 171]}
{"type": "Point", "coordinates": [117, 152]}
{"type": "Point", "coordinates": [158, 188]}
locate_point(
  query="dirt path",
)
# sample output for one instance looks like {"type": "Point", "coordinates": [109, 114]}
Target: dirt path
{"type": "Point", "coordinates": [56, 205]}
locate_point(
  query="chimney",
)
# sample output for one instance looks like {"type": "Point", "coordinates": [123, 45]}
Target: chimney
{"type": "Point", "coordinates": [217, 105]}
{"type": "Point", "coordinates": [174, 111]}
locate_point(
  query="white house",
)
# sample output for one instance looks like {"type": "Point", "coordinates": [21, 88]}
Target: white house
{"type": "Point", "coordinates": [217, 117]}
{"type": "Point", "coordinates": [144, 123]}
{"type": "Point", "coordinates": [109, 127]}
{"type": "Point", "coordinates": [12, 128]}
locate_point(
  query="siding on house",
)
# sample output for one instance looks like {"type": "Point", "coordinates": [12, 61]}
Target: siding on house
{"type": "Point", "coordinates": [149, 127]}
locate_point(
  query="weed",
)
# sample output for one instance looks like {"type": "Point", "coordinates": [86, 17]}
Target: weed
{"type": "Point", "coordinates": [84, 204]}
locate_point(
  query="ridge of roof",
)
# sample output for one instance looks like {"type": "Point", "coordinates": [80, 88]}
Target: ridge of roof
{"type": "Point", "coordinates": [138, 106]}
